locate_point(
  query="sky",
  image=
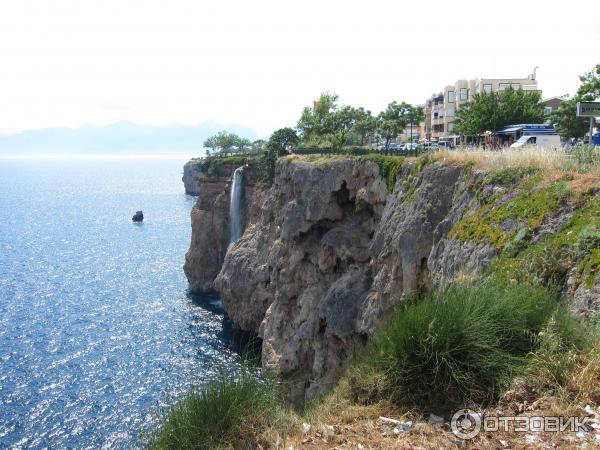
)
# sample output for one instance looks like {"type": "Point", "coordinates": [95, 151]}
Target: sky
{"type": "Point", "coordinates": [258, 63]}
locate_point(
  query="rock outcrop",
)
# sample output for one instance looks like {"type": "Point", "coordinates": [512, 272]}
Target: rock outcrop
{"type": "Point", "coordinates": [191, 176]}
{"type": "Point", "coordinates": [328, 252]}
{"type": "Point", "coordinates": [211, 224]}
{"type": "Point", "coordinates": [330, 255]}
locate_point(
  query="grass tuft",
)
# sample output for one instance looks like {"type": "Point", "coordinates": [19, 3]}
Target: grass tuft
{"type": "Point", "coordinates": [459, 346]}
{"type": "Point", "coordinates": [229, 412]}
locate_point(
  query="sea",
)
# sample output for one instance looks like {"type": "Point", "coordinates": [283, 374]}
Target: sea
{"type": "Point", "coordinates": [98, 330]}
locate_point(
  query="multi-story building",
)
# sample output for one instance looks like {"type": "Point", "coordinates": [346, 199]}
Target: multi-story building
{"type": "Point", "coordinates": [552, 103]}
{"type": "Point", "coordinates": [440, 109]}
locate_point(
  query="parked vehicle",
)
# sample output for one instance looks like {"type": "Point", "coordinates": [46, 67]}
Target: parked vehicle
{"type": "Point", "coordinates": [446, 145]}
{"type": "Point", "coordinates": [538, 140]}
{"type": "Point", "coordinates": [428, 146]}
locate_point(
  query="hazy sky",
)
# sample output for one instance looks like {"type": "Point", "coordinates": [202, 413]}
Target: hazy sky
{"type": "Point", "coordinates": [257, 63]}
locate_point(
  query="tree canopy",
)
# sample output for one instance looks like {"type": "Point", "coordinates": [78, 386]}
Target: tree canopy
{"type": "Point", "coordinates": [393, 120]}
{"type": "Point", "coordinates": [494, 110]}
{"type": "Point", "coordinates": [225, 142]}
{"type": "Point", "coordinates": [565, 118]}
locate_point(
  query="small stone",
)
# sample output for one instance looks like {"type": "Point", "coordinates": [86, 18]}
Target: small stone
{"type": "Point", "coordinates": [306, 427]}
{"type": "Point", "coordinates": [361, 447]}
{"type": "Point", "coordinates": [437, 420]}
{"type": "Point", "coordinates": [504, 444]}
{"type": "Point", "coordinates": [398, 430]}
{"type": "Point", "coordinates": [580, 434]}
{"type": "Point", "coordinates": [407, 425]}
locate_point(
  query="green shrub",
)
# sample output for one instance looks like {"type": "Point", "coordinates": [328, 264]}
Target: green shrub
{"type": "Point", "coordinates": [229, 412]}
{"type": "Point", "coordinates": [214, 165]}
{"type": "Point", "coordinates": [588, 239]}
{"type": "Point", "coordinates": [389, 167]}
{"type": "Point", "coordinates": [459, 345]}
{"type": "Point", "coordinates": [509, 176]}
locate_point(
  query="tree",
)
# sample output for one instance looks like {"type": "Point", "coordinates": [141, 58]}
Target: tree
{"type": "Point", "coordinates": [366, 125]}
{"type": "Point", "coordinates": [494, 110]}
{"type": "Point", "coordinates": [258, 145]}
{"type": "Point", "coordinates": [414, 116]}
{"type": "Point", "coordinates": [211, 143]}
{"type": "Point", "coordinates": [590, 85]}
{"type": "Point", "coordinates": [277, 146]}
{"type": "Point", "coordinates": [281, 140]}
{"type": "Point", "coordinates": [565, 118]}
{"type": "Point", "coordinates": [314, 122]}
{"type": "Point", "coordinates": [340, 123]}
{"type": "Point", "coordinates": [566, 122]}
{"type": "Point", "coordinates": [225, 142]}
{"type": "Point", "coordinates": [242, 144]}
{"type": "Point", "coordinates": [392, 121]}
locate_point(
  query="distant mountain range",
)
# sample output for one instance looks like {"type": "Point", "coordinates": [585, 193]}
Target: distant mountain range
{"type": "Point", "coordinates": [119, 137]}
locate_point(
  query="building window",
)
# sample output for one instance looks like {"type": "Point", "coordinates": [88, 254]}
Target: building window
{"type": "Point", "coordinates": [487, 88]}
{"type": "Point", "coordinates": [503, 86]}
{"type": "Point", "coordinates": [464, 94]}
{"type": "Point", "coordinates": [451, 97]}
{"type": "Point", "coordinates": [450, 127]}
{"type": "Point", "coordinates": [449, 112]}
{"type": "Point", "coordinates": [516, 86]}
{"type": "Point", "coordinates": [547, 110]}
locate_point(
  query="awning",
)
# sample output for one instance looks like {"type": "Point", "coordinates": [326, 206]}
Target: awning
{"type": "Point", "coordinates": [508, 130]}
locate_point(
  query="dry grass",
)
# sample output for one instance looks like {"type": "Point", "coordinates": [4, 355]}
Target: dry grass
{"type": "Point", "coordinates": [581, 161]}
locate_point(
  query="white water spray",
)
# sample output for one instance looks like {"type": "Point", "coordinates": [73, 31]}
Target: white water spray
{"type": "Point", "coordinates": [235, 204]}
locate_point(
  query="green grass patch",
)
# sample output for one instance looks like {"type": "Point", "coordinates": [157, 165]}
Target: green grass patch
{"type": "Point", "coordinates": [389, 167]}
{"type": "Point", "coordinates": [231, 411]}
{"type": "Point", "coordinates": [458, 346]}
{"type": "Point", "coordinates": [530, 208]}
{"type": "Point", "coordinates": [549, 260]}
{"type": "Point", "coordinates": [509, 176]}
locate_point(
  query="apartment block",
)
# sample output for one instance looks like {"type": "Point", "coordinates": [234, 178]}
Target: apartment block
{"type": "Point", "coordinates": [440, 109]}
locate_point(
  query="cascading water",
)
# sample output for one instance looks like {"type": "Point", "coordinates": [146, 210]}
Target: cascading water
{"type": "Point", "coordinates": [235, 201]}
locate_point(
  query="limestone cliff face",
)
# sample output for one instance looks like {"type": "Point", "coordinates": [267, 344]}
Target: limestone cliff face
{"type": "Point", "coordinates": [191, 176]}
{"type": "Point", "coordinates": [211, 224]}
{"type": "Point", "coordinates": [331, 253]}
{"type": "Point", "coordinates": [328, 252]}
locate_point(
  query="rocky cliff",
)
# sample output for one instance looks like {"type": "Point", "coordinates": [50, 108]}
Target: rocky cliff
{"type": "Point", "coordinates": [331, 250]}
{"type": "Point", "coordinates": [210, 218]}
{"type": "Point", "coordinates": [191, 176]}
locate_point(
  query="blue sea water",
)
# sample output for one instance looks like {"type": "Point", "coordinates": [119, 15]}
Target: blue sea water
{"type": "Point", "coordinates": [97, 328]}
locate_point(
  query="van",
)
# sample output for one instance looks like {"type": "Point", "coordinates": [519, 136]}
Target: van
{"type": "Point", "coordinates": [538, 140]}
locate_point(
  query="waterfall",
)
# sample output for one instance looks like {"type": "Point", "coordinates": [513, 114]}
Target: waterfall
{"type": "Point", "coordinates": [235, 204]}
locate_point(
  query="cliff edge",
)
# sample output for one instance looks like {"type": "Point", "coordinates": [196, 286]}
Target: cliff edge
{"type": "Point", "coordinates": [335, 243]}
